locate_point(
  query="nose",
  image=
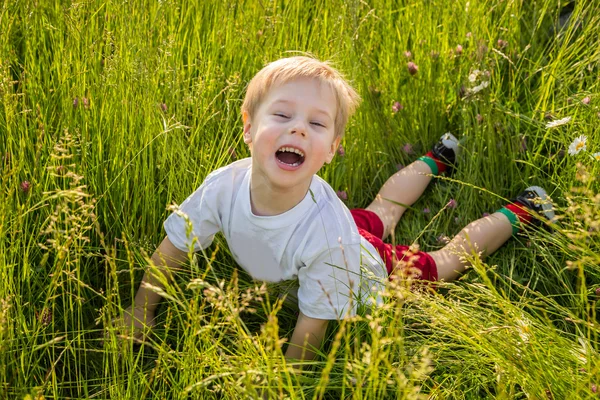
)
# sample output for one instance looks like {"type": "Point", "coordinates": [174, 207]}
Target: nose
{"type": "Point", "coordinates": [298, 127]}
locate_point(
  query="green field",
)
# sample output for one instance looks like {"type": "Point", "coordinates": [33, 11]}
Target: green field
{"type": "Point", "coordinates": [113, 110]}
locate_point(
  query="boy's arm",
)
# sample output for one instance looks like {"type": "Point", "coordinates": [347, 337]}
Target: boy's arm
{"type": "Point", "coordinates": [308, 334]}
{"type": "Point", "coordinates": [173, 258]}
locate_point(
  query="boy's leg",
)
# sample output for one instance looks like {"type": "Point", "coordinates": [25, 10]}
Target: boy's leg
{"type": "Point", "coordinates": [487, 234]}
{"type": "Point", "coordinates": [407, 185]}
{"type": "Point", "coordinates": [484, 235]}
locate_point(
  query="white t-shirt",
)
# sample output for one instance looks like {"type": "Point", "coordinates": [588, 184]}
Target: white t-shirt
{"type": "Point", "coordinates": [316, 242]}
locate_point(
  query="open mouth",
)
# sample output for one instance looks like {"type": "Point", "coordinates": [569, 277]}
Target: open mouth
{"type": "Point", "coordinates": [290, 156]}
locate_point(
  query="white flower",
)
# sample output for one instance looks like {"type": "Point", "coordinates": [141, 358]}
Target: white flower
{"type": "Point", "coordinates": [474, 75]}
{"type": "Point", "coordinates": [577, 145]}
{"type": "Point", "coordinates": [596, 156]}
{"type": "Point", "coordinates": [558, 122]}
{"type": "Point", "coordinates": [480, 87]}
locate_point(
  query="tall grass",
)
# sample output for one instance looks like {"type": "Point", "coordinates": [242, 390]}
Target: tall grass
{"type": "Point", "coordinates": [111, 111]}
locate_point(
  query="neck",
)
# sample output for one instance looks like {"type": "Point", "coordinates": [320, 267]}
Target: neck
{"type": "Point", "coordinates": [267, 200]}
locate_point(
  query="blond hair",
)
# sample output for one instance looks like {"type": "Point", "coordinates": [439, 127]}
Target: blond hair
{"type": "Point", "coordinates": [287, 69]}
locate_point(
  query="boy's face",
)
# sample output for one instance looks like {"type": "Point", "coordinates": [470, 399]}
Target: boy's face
{"type": "Point", "coordinates": [292, 134]}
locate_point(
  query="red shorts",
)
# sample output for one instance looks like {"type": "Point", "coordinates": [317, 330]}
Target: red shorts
{"type": "Point", "coordinates": [420, 264]}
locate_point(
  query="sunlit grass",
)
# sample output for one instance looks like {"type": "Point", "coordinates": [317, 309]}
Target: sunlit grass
{"type": "Point", "coordinates": [111, 111]}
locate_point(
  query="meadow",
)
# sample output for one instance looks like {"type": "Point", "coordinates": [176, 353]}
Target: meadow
{"type": "Point", "coordinates": [112, 111]}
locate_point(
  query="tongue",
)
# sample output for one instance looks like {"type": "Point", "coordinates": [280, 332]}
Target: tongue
{"type": "Point", "coordinates": [288, 158]}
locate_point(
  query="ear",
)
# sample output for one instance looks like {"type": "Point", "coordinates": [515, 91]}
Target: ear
{"type": "Point", "coordinates": [247, 125]}
{"type": "Point", "coordinates": [334, 146]}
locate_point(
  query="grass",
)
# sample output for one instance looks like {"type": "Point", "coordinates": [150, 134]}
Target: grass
{"type": "Point", "coordinates": [111, 111]}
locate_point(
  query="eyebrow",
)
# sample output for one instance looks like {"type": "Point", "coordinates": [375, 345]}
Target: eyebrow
{"type": "Point", "coordinates": [317, 110]}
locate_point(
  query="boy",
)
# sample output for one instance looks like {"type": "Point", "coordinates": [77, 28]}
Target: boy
{"type": "Point", "coordinates": [282, 222]}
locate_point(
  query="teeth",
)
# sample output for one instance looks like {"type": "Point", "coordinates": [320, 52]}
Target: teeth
{"type": "Point", "coordinates": [292, 150]}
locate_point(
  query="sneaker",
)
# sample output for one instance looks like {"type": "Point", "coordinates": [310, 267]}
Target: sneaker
{"type": "Point", "coordinates": [537, 200]}
{"type": "Point", "coordinates": [446, 150]}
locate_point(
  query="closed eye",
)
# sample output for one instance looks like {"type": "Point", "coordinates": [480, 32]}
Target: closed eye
{"type": "Point", "coordinates": [281, 115]}
{"type": "Point", "coordinates": [318, 124]}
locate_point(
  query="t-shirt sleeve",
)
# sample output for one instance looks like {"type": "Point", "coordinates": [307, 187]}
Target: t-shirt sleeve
{"type": "Point", "coordinates": [201, 208]}
{"type": "Point", "coordinates": [330, 283]}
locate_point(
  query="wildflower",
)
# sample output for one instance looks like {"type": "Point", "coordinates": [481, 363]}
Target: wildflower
{"type": "Point", "coordinates": [468, 35]}
{"type": "Point", "coordinates": [473, 75]}
{"type": "Point", "coordinates": [25, 186]}
{"type": "Point", "coordinates": [459, 49]}
{"type": "Point", "coordinates": [426, 210]}
{"type": "Point", "coordinates": [408, 148]}
{"type": "Point", "coordinates": [86, 102]}
{"type": "Point", "coordinates": [451, 203]}
{"type": "Point", "coordinates": [412, 68]}
{"type": "Point", "coordinates": [558, 122]}
{"type": "Point", "coordinates": [408, 54]}
{"type": "Point", "coordinates": [485, 214]}
{"type": "Point", "coordinates": [502, 43]}
{"type": "Point", "coordinates": [578, 145]}
{"type": "Point", "coordinates": [397, 107]}
{"type": "Point", "coordinates": [342, 194]}
{"type": "Point", "coordinates": [586, 100]}
{"type": "Point", "coordinates": [596, 156]}
{"type": "Point", "coordinates": [44, 317]}
{"type": "Point", "coordinates": [341, 150]}
{"type": "Point", "coordinates": [163, 107]}
{"type": "Point", "coordinates": [75, 102]}
{"type": "Point", "coordinates": [594, 388]}
{"type": "Point", "coordinates": [480, 87]}
{"type": "Point", "coordinates": [598, 291]}
{"type": "Point", "coordinates": [399, 167]}
{"type": "Point", "coordinates": [479, 118]}
{"type": "Point", "coordinates": [456, 220]}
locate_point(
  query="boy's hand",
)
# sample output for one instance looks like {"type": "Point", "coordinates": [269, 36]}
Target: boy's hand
{"type": "Point", "coordinates": [143, 321]}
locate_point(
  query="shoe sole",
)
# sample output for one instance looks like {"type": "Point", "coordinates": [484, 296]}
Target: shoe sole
{"type": "Point", "coordinates": [545, 202]}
